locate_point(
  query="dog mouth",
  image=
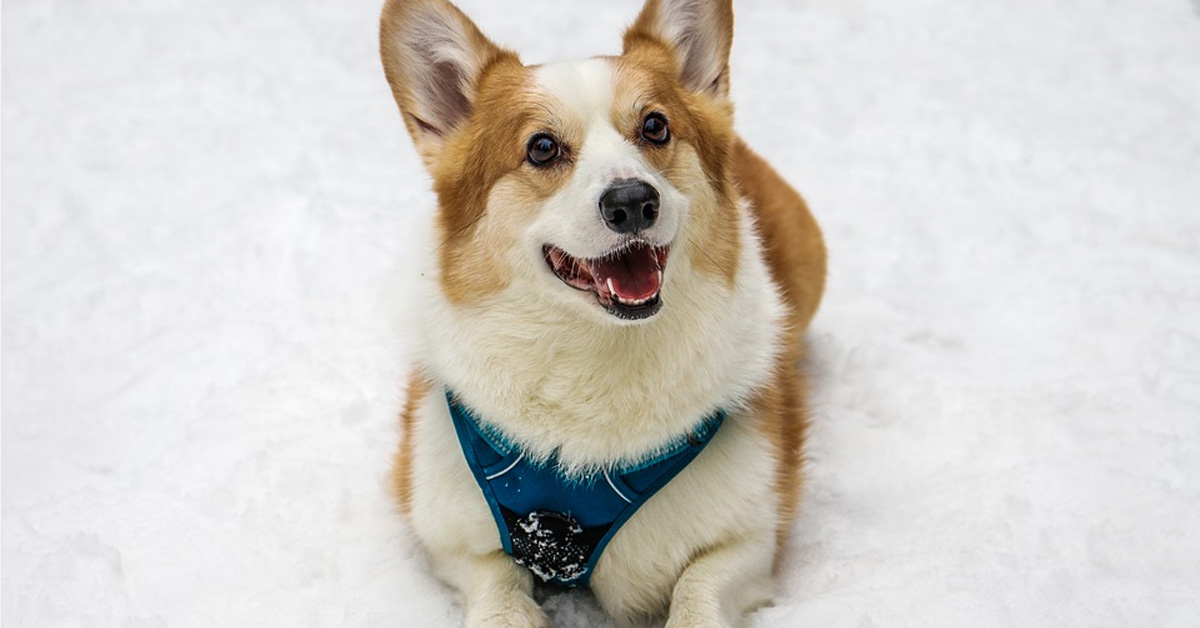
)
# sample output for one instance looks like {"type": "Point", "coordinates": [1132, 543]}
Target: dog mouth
{"type": "Point", "coordinates": [627, 282]}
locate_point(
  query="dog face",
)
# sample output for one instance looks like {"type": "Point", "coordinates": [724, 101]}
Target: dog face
{"type": "Point", "coordinates": [594, 186]}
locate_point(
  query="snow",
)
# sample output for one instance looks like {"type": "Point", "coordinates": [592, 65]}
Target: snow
{"type": "Point", "coordinates": [207, 206]}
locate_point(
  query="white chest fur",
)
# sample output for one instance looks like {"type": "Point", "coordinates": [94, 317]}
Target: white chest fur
{"type": "Point", "coordinates": [598, 396]}
{"type": "Point", "coordinates": [601, 398]}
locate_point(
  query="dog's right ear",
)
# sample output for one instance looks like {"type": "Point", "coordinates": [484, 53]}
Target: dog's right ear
{"type": "Point", "coordinates": [433, 57]}
{"type": "Point", "coordinates": [699, 32]}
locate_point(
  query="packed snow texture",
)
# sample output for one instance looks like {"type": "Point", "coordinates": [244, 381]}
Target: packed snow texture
{"type": "Point", "coordinates": [207, 205]}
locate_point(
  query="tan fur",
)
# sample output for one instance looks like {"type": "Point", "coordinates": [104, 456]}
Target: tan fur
{"type": "Point", "coordinates": [401, 71]}
{"type": "Point", "coordinates": [701, 124]}
{"type": "Point", "coordinates": [487, 151]}
{"type": "Point", "coordinates": [745, 277]}
{"type": "Point", "coordinates": [647, 29]}
{"type": "Point", "coordinates": [795, 252]}
{"type": "Point", "coordinates": [782, 417]}
{"type": "Point", "coordinates": [795, 247]}
{"type": "Point", "coordinates": [402, 474]}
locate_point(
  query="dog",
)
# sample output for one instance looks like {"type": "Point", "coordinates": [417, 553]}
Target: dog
{"type": "Point", "coordinates": [606, 390]}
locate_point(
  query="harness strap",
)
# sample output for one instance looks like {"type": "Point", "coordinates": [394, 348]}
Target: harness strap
{"type": "Point", "coordinates": [555, 525]}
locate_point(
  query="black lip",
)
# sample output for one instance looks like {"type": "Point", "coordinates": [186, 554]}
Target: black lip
{"type": "Point", "coordinates": [635, 312]}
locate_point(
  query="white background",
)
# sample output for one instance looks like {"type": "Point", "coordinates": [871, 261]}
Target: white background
{"type": "Point", "coordinates": [206, 205]}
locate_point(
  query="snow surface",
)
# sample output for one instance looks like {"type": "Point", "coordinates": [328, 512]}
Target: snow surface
{"type": "Point", "coordinates": [206, 206]}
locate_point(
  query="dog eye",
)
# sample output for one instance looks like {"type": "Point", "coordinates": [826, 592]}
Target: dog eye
{"type": "Point", "coordinates": [655, 129]}
{"type": "Point", "coordinates": [542, 150]}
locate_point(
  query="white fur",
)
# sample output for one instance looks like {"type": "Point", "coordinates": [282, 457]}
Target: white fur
{"type": "Point", "coordinates": [532, 369]}
{"type": "Point", "coordinates": [560, 376]}
{"type": "Point", "coordinates": [553, 370]}
{"type": "Point", "coordinates": [571, 219]}
{"type": "Point", "coordinates": [575, 381]}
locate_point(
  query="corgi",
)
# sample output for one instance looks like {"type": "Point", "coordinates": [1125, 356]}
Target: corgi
{"type": "Point", "coordinates": [606, 389]}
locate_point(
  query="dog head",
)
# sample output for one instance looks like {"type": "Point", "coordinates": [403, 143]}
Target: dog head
{"type": "Point", "coordinates": [601, 186]}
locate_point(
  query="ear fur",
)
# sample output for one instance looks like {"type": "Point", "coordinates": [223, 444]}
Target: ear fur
{"type": "Point", "coordinates": [434, 57]}
{"type": "Point", "coordinates": [699, 32]}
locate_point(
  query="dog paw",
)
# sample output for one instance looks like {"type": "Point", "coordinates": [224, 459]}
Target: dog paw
{"type": "Point", "coordinates": [516, 614]}
{"type": "Point", "coordinates": [697, 624]}
{"type": "Point", "coordinates": [695, 621]}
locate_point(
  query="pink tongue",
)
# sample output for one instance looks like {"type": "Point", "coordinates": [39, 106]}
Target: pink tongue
{"type": "Point", "coordinates": [634, 273]}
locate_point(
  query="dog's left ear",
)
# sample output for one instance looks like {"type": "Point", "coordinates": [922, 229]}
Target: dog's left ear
{"type": "Point", "coordinates": [699, 32]}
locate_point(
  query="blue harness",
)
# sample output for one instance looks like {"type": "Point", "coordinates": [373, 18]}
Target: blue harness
{"type": "Point", "coordinates": [558, 526]}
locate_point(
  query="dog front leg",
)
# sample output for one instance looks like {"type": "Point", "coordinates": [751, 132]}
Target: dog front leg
{"type": "Point", "coordinates": [497, 593]}
{"type": "Point", "coordinates": [722, 585]}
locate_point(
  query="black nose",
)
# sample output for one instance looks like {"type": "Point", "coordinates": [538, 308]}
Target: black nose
{"type": "Point", "coordinates": [629, 206]}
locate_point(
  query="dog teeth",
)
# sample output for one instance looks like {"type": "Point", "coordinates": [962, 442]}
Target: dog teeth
{"type": "Point", "coordinates": [611, 289]}
{"type": "Point", "coordinates": [634, 301]}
